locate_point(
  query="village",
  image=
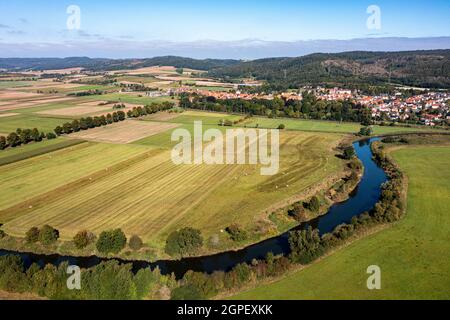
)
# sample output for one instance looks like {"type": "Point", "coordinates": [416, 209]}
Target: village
{"type": "Point", "coordinates": [429, 108]}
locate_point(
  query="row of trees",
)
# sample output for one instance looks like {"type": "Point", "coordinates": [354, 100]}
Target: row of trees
{"type": "Point", "coordinates": [24, 136]}
{"type": "Point", "coordinates": [111, 241]}
{"type": "Point", "coordinates": [98, 121]}
{"type": "Point", "coordinates": [90, 122]}
{"type": "Point", "coordinates": [308, 108]}
{"type": "Point", "coordinates": [46, 235]}
{"type": "Point", "coordinates": [150, 109]}
{"type": "Point", "coordinates": [107, 281]}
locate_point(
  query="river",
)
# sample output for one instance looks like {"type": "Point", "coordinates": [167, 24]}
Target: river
{"type": "Point", "coordinates": [362, 199]}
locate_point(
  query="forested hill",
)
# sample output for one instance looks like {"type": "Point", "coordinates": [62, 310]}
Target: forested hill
{"type": "Point", "coordinates": [429, 69]}
{"type": "Point", "coordinates": [111, 64]}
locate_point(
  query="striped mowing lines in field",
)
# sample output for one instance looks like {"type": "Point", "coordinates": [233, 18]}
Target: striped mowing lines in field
{"type": "Point", "coordinates": [146, 194]}
{"type": "Point", "coordinates": [142, 199]}
{"type": "Point", "coordinates": [25, 179]}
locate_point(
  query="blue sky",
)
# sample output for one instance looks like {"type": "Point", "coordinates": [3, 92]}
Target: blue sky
{"type": "Point", "coordinates": [44, 21]}
{"type": "Point", "coordinates": [222, 20]}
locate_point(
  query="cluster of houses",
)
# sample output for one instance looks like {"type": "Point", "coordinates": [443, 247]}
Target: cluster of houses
{"type": "Point", "coordinates": [429, 108]}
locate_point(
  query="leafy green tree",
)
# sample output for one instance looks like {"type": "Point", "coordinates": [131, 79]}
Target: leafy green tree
{"type": "Point", "coordinates": [121, 115]}
{"type": "Point", "coordinates": [349, 153]}
{"type": "Point", "coordinates": [112, 241]}
{"type": "Point", "coordinates": [305, 245]}
{"type": "Point", "coordinates": [59, 130]}
{"type": "Point", "coordinates": [13, 140]}
{"type": "Point", "coordinates": [76, 125]}
{"type": "Point", "coordinates": [51, 136]}
{"type": "Point", "coordinates": [36, 135]}
{"type": "Point", "coordinates": [32, 235]}
{"type": "Point", "coordinates": [3, 143]}
{"type": "Point", "coordinates": [366, 131]}
{"type": "Point", "coordinates": [314, 204]}
{"type": "Point", "coordinates": [184, 242]}
{"type": "Point", "coordinates": [48, 235]}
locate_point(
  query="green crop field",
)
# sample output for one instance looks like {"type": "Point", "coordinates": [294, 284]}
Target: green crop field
{"type": "Point", "coordinates": [28, 121]}
{"type": "Point", "coordinates": [146, 194]}
{"type": "Point", "coordinates": [412, 254]}
{"type": "Point", "coordinates": [327, 126]}
{"type": "Point", "coordinates": [128, 98]}
{"type": "Point", "coordinates": [15, 84]}
{"type": "Point", "coordinates": [31, 150]}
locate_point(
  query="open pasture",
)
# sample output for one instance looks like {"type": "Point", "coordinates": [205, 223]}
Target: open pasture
{"type": "Point", "coordinates": [412, 254]}
{"type": "Point", "coordinates": [327, 126]}
{"type": "Point", "coordinates": [124, 132]}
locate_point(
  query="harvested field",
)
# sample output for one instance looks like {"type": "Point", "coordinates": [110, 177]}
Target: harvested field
{"type": "Point", "coordinates": [152, 70]}
{"type": "Point", "coordinates": [163, 116]}
{"type": "Point", "coordinates": [26, 103]}
{"type": "Point", "coordinates": [150, 196]}
{"type": "Point", "coordinates": [124, 132]}
{"type": "Point", "coordinates": [11, 95]}
{"type": "Point", "coordinates": [40, 174]}
{"type": "Point", "coordinates": [10, 114]}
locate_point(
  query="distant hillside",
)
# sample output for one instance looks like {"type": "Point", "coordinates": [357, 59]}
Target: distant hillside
{"type": "Point", "coordinates": [111, 64]}
{"type": "Point", "coordinates": [429, 69]}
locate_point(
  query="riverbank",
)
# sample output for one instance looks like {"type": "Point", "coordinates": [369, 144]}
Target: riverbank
{"type": "Point", "coordinates": [410, 252]}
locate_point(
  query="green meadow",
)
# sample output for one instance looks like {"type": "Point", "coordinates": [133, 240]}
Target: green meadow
{"type": "Point", "coordinates": [327, 126]}
{"type": "Point", "coordinates": [29, 121]}
{"type": "Point", "coordinates": [412, 254]}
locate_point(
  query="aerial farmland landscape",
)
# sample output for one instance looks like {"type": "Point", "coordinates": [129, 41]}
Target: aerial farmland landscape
{"type": "Point", "coordinates": [150, 164]}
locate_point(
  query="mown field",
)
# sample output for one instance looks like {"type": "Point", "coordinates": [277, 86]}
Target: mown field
{"type": "Point", "coordinates": [29, 178]}
{"type": "Point", "coordinates": [136, 187]}
{"type": "Point", "coordinates": [412, 254]}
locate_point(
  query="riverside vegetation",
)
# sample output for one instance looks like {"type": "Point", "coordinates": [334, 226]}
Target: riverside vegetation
{"type": "Point", "coordinates": [102, 281]}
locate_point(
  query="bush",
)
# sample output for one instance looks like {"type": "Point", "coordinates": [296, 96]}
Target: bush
{"type": "Point", "coordinates": [135, 243]}
{"type": "Point", "coordinates": [82, 239]}
{"type": "Point", "coordinates": [32, 235]}
{"type": "Point", "coordinates": [236, 233]}
{"type": "Point", "coordinates": [298, 212]}
{"type": "Point", "coordinates": [112, 241]}
{"type": "Point", "coordinates": [281, 127]}
{"type": "Point", "coordinates": [187, 292]}
{"type": "Point", "coordinates": [183, 242]}
{"type": "Point", "coordinates": [48, 235]}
